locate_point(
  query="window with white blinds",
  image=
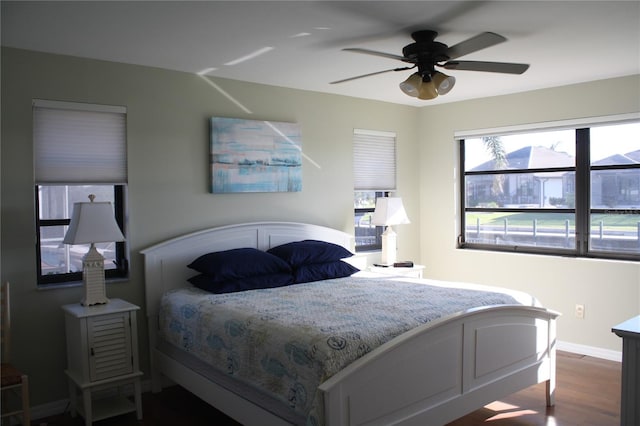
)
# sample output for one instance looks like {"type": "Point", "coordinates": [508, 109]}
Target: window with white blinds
{"type": "Point", "coordinates": [374, 160]}
{"type": "Point", "coordinates": [374, 173]}
{"type": "Point", "coordinates": [79, 143]}
{"type": "Point", "coordinates": [79, 149]}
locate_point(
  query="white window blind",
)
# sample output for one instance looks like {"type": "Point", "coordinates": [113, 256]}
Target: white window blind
{"type": "Point", "coordinates": [79, 143]}
{"type": "Point", "coordinates": [374, 160]}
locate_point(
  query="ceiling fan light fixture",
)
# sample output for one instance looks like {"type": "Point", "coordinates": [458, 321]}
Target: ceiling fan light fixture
{"type": "Point", "coordinates": [444, 83]}
{"type": "Point", "coordinates": [428, 90]}
{"type": "Point", "coordinates": [426, 53]}
{"type": "Point", "coordinates": [411, 86]}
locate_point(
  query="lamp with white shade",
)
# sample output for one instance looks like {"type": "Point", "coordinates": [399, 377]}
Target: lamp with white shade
{"type": "Point", "coordinates": [91, 223]}
{"type": "Point", "coordinates": [389, 211]}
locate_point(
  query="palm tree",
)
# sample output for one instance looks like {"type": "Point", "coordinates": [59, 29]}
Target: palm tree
{"type": "Point", "coordinates": [494, 145]}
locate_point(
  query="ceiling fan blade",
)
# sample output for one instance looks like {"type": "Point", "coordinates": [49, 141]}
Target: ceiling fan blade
{"type": "Point", "coordinates": [370, 74]}
{"type": "Point", "coordinates": [481, 41]}
{"type": "Point", "coordinates": [375, 53]}
{"type": "Point", "coordinates": [501, 67]}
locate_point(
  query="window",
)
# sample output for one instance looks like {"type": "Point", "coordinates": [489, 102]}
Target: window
{"type": "Point", "coordinates": [58, 262]}
{"type": "Point", "coordinates": [374, 165]}
{"type": "Point", "coordinates": [79, 149]}
{"type": "Point", "coordinates": [573, 191]}
{"type": "Point", "coordinates": [368, 236]}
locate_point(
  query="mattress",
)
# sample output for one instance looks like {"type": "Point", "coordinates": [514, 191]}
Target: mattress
{"type": "Point", "coordinates": [281, 343]}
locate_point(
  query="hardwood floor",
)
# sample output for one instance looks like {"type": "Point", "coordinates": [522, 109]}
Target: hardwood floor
{"type": "Point", "coordinates": [588, 393]}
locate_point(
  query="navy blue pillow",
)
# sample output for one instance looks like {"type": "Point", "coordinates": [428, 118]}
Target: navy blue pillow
{"type": "Point", "coordinates": [309, 251]}
{"type": "Point", "coordinates": [323, 271]}
{"type": "Point", "coordinates": [238, 263]}
{"type": "Point", "coordinates": [248, 283]}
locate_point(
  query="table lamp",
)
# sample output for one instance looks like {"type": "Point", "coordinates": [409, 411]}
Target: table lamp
{"type": "Point", "coordinates": [93, 223]}
{"type": "Point", "coordinates": [389, 211]}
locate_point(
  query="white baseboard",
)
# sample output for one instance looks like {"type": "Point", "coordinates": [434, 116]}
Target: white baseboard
{"type": "Point", "coordinates": [58, 407]}
{"type": "Point", "coordinates": [590, 351]}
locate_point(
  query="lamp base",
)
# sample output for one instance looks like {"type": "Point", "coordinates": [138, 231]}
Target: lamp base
{"type": "Point", "coordinates": [388, 256]}
{"type": "Point", "coordinates": [93, 278]}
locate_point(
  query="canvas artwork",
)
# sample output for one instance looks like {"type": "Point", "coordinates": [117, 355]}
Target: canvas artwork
{"type": "Point", "coordinates": [255, 156]}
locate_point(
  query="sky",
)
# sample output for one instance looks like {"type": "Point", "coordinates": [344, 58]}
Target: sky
{"type": "Point", "coordinates": [605, 141]}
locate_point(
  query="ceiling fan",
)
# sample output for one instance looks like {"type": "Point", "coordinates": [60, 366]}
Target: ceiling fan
{"type": "Point", "coordinates": [425, 54]}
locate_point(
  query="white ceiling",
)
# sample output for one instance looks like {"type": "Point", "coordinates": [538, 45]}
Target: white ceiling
{"type": "Point", "coordinates": [564, 41]}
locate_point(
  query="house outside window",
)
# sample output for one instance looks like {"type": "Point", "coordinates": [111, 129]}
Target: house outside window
{"type": "Point", "coordinates": [374, 165]}
{"type": "Point", "coordinates": [80, 149]}
{"type": "Point", "coordinates": [573, 191]}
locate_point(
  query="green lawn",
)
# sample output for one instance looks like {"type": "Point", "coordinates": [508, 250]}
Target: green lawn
{"type": "Point", "coordinates": [554, 220]}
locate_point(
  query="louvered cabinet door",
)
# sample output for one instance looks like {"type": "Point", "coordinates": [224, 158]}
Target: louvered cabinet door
{"type": "Point", "coordinates": [109, 339]}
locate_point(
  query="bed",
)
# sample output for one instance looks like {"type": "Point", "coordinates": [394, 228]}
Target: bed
{"type": "Point", "coordinates": [431, 374]}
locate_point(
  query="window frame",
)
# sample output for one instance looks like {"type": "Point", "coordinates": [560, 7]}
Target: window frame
{"type": "Point", "coordinates": [121, 271]}
{"type": "Point", "coordinates": [582, 209]}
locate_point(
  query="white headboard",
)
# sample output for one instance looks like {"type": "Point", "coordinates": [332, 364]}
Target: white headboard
{"type": "Point", "coordinates": [166, 263]}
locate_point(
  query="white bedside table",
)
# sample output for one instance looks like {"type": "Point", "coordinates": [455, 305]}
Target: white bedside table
{"type": "Point", "coordinates": [102, 353]}
{"type": "Point", "coordinates": [411, 272]}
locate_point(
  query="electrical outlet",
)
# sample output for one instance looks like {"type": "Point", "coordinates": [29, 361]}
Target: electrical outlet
{"type": "Point", "coordinates": [579, 311]}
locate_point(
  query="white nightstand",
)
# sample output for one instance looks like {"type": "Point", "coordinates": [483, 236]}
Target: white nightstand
{"type": "Point", "coordinates": [102, 353]}
{"type": "Point", "coordinates": [411, 272]}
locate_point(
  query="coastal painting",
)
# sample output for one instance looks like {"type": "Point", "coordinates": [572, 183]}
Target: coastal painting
{"type": "Point", "coordinates": [255, 156]}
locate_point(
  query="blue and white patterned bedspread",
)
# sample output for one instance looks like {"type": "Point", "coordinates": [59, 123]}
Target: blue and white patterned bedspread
{"type": "Point", "coordinates": [286, 341]}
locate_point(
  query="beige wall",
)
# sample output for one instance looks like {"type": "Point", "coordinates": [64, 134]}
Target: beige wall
{"type": "Point", "coordinates": [168, 153]}
{"type": "Point", "coordinates": [167, 125]}
{"type": "Point", "coordinates": [610, 290]}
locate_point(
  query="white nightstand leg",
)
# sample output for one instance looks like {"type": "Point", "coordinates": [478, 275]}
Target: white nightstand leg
{"type": "Point", "coordinates": [137, 394]}
{"type": "Point", "coordinates": [86, 401]}
{"type": "Point", "coordinates": [73, 398]}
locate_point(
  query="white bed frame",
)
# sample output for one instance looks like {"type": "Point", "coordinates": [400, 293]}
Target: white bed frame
{"type": "Point", "coordinates": [430, 375]}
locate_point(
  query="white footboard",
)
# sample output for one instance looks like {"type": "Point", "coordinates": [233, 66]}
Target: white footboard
{"type": "Point", "coordinates": [443, 370]}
